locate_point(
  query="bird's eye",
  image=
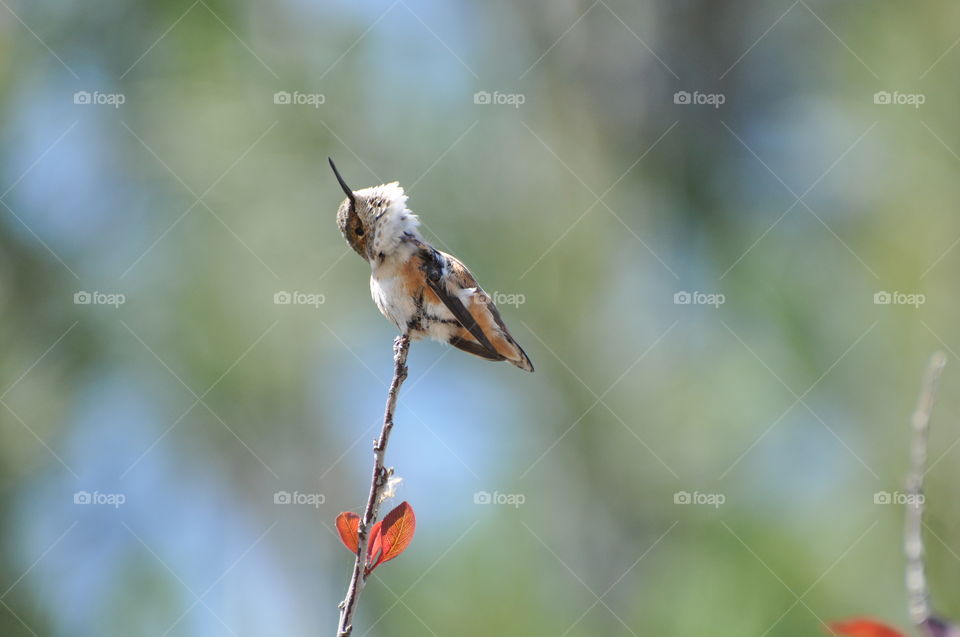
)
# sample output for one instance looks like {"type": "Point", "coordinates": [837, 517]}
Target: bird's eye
{"type": "Point", "coordinates": [359, 231]}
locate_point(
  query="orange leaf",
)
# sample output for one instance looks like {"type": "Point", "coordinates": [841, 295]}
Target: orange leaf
{"type": "Point", "coordinates": [396, 534]}
{"type": "Point", "coordinates": [863, 627]}
{"type": "Point", "coordinates": [347, 525]}
{"type": "Point", "coordinates": [374, 547]}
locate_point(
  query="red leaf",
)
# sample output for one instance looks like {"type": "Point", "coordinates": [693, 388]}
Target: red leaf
{"type": "Point", "coordinates": [374, 547]}
{"type": "Point", "coordinates": [863, 627]}
{"type": "Point", "coordinates": [347, 525]}
{"type": "Point", "coordinates": [395, 535]}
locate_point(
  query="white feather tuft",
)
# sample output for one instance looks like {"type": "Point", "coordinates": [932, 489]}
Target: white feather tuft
{"type": "Point", "coordinates": [394, 219]}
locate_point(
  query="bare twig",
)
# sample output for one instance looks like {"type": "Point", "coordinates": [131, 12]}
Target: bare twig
{"type": "Point", "coordinates": [918, 592]}
{"type": "Point", "coordinates": [381, 475]}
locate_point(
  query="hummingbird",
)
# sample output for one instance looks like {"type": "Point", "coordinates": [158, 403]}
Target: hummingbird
{"type": "Point", "coordinates": [426, 293]}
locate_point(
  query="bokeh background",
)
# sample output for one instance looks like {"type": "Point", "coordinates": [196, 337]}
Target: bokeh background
{"type": "Point", "coordinates": [148, 156]}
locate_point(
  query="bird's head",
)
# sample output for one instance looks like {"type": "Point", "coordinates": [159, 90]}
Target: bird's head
{"type": "Point", "coordinates": [373, 220]}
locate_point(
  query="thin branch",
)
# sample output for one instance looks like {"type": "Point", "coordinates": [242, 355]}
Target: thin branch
{"type": "Point", "coordinates": [378, 482]}
{"type": "Point", "coordinates": [918, 592]}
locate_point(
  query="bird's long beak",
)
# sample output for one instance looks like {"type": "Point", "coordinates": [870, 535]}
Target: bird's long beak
{"type": "Point", "coordinates": [343, 184]}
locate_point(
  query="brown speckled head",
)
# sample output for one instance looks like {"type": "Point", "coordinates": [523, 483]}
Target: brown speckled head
{"type": "Point", "coordinates": [374, 220]}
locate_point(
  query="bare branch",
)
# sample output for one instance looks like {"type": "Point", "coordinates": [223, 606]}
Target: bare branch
{"type": "Point", "coordinates": [378, 482]}
{"type": "Point", "coordinates": [918, 593]}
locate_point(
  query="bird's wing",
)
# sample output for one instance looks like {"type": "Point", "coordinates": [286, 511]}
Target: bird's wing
{"type": "Point", "coordinates": [483, 318]}
{"type": "Point", "coordinates": [433, 265]}
{"type": "Point", "coordinates": [524, 361]}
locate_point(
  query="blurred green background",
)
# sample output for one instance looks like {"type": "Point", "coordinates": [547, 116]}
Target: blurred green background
{"type": "Point", "coordinates": [596, 164]}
